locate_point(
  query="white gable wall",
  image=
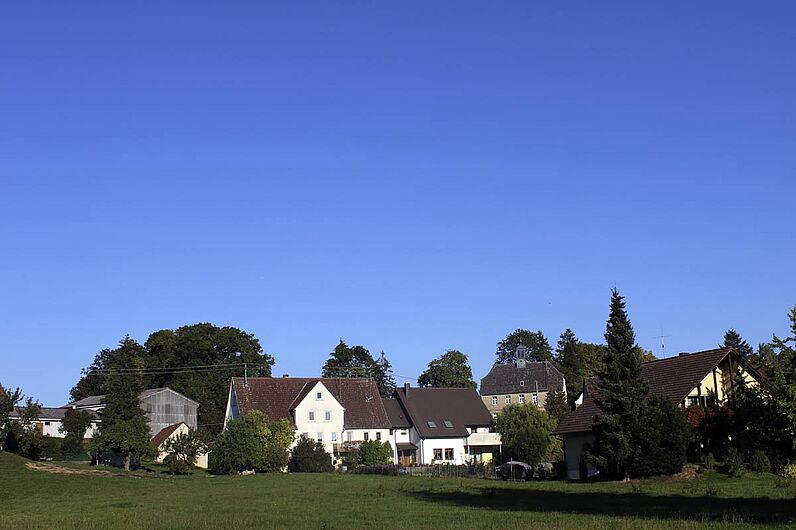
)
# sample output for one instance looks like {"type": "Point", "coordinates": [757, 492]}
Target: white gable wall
{"type": "Point", "coordinates": [310, 417]}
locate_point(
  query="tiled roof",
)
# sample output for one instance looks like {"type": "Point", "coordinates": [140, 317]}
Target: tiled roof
{"type": "Point", "coordinates": [673, 377]}
{"type": "Point", "coordinates": [395, 413]}
{"type": "Point", "coordinates": [276, 397]}
{"type": "Point", "coordinates": [164, 434]}
{"type": "Point", "coordinates": [511, 379]}
{"type": "Point", "coordinates": [430, 408]}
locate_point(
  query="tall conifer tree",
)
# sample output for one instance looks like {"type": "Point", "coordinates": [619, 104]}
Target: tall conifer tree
{"type": "Point", "coordinates": [622, 396]}
{"type": "Point", "coordinates": [732, 339]}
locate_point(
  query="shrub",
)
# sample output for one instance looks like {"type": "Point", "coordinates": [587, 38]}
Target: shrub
{"type": "Point", "coordinates": [789, 471]}
{"type": "Point", "coordinates": [373, 453]}
{"type": "Point", "coordinates": [310, 457]}
{"type": "Point", "coordinates": [74, 425]}
{"type": "Point", "coordinates": [251, 443]}
{"type": "Point", "coordinates": [183, 450]}
{"type": "Point", "coordinates": [380, 469]}
{"type": "Point", "coordinates": [759, 462]}
{"type": "Point", "coordinates": [710, 461]}
{"type": "Point", "coordinates": [665, 433]}
{"type": "Point", "coordinates": [733, 462]}
{"type": "Point", "coordinates": [711, 491]}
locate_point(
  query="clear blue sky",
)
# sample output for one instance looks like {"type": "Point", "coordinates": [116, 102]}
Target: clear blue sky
{"type": "Point", "coordinates": [410, 176]}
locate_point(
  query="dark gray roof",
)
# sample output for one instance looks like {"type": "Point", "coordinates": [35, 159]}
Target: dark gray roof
{"type": "Point", "coordinates": [395, 413]}
{"type": "Point", "coordinates": [51, 413]}
{"type": "Point", "coordinates": [443, 412]}
{"type": "Point", "coordinates": [510, 379]}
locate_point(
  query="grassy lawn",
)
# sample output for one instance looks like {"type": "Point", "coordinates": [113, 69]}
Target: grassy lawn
{"type": "Point", "coordinates": [40, 499]}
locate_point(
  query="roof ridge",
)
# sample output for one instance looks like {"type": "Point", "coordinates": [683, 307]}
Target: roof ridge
{"type": "Point", "coordinates": [691, 354]}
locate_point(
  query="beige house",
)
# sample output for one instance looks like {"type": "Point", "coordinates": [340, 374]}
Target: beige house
{"type": "Point", "coordinates": [520, 382]}
{"type": "Point", "coordinates": [169, 433]}
{"type": "Point", "coordinates": [702, 378]}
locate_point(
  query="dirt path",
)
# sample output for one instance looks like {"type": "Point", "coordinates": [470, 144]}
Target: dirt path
{"type": "Point", "coordinates": [61, 470]}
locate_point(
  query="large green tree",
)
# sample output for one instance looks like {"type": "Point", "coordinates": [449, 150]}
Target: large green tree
{"type": "Point", "coordinates": [524, 432]}
{"type": "Point", "coordinates": [124, 426]}
{"type": "Point", "coordinates": [622, 397]}
{"type": "Point", "coordinates": [9, 399]}
{"type": "Point", "coordinates": [357, 361]}
{"type": "Point", "coordinates": [252, 443]}
{"type": "Point", "coordinates": [74, 426]}
{"type": "Point", "coordinates": [732, 339]}
{"type": "Point", "coordinates": [536, 344]}
{"type": "Point", "coordinates": [450, 370]}
{"type": "Point", "coordinates": [207, 357]}
{"type": "Point", "coordinates": [556, 405]}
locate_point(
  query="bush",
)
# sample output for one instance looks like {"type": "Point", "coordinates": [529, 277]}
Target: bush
{"type": "Point", "coordinates": [74, 425]}
{"type": "Point", "coordinates": [373, 453]}
{"type": "Point", "coordinates": [710, 461]}
{"type": "Point", "coordinates": [251, 443]}
{"type": "Point", "coordinates": [310, 457]}
{"type": "Point", "coordinates": [665, 434]}
{"type": "Point", "coordinates": [183, 450]}
{"type": "Point", "coordinates": [760, 462]}
{"type": "Point", "coordinates": [789, 471]}
{"type": "Point", "coordinates": [733, 462]}
{"type": "Point", "coordinates": [381, 469]}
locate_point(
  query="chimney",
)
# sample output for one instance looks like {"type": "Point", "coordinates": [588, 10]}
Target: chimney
{"type": "Point", "coordinates": [284, 376]}
{"type": "Point", "coordinates": [683, 353]}
{"type": "Point", "coordinates": [406, 389]}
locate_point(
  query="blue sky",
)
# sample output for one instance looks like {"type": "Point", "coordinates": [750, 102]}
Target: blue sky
{"type": "Point", "coordinates": [410, 176]}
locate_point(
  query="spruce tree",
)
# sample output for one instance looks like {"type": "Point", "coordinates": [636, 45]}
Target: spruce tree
{"type": "Point", "coordinates": [567, 360]}
{"type": "Point", "coordinates": [124, 427]}
{"type": "Point", "coordinates": [383, 376]}
{"type": "Point", "coordinates": [622, 395]}
{"type": "Point", "coordinates": [732, 339]}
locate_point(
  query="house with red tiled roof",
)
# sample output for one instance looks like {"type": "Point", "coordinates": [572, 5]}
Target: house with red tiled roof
{"type": "Point", "coordinates": [336, 411]}
{"type": "Point", "coordinates": [169, 433]}
{"type": "Point", "coordinates": [702, 378]}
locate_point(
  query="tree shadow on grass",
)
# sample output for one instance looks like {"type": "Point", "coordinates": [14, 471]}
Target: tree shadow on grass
{"type": "Point", "coordinates": [703, 509]}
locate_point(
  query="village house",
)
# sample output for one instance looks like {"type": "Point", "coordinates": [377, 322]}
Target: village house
{"type": "Point", "coordinates": [446, 425]}
{"type": "Point", "coordinates": [522, 381]}
{"type": "Point", "coordinates": [702, 378]}
{"type": "Point", "coordinates": [51, 418]}
{"type": "Point", "coordinates": [339, 412]}
{"type": "Point", "coordinates": [169, 433]}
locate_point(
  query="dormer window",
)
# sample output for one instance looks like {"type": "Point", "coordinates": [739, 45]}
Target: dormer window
{"type": "Point", "coordinates": [522, 383]}
{"type": "Point", "coordinates": [431, 424]}
{"type": "Point", "coordinates": [448, 424]}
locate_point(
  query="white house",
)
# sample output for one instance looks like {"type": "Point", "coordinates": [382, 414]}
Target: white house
{"type": "Point", "coordinates": [447, 425]}
{"type": "Point", "coordinates": [169, 433]}
{"type": "Point", "coordinates": [336, 411]}
{"type": "Point", "coordinates": [50, 420]}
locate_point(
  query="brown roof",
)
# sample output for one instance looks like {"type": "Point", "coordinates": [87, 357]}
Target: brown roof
{"type": "Point", "coordinates": [673, 377]}
{"type": "Point", "coordinates": [395, 413]}
{"type": "Point", "coordinates": [164, 434]}
{"type": "Point", "coordinates": [277, 397]}
{"type": "Point", "coordinates": [512, 379]}
{"type": "Point", "coordinates": [444, 412]}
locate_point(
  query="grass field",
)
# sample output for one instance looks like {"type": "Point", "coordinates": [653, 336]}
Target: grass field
{"type": "Point", "coordinates": [40, 499]}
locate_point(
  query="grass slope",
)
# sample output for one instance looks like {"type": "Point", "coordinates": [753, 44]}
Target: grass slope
{"type": "Point", "coordinates": [38, 499]}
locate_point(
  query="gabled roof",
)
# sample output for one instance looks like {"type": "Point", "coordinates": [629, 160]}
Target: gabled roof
{"type": "Point", "coordinates": [673, 377]}
{"type": "Point", "coordinates": [96, 401]}
{"type": "Point", "coordinates": [430, 408]}
{"type": "Point", "coordinates": [511, 379]}
{"type": "Point", "coordinates": [395, 413]}
{"type": "Point", "coordinates": [277, 397]}
{"type": "Point", "coordinates": [164, 434]}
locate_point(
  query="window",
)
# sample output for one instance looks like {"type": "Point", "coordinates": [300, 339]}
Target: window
{"type": "Point", "coordinates": [348, 436]}
{"type": "Point", "coordinates": [449, 454]}
{"type": "Point", "coordinates": [46, 422]}
{"type": "Point", "coordinates": [508, 400]}
{"type": "Point", "coordinates": [319, 437]}
{"type": "Point", "coordinates": [494, 400]}
{"type": "Point", "coordinates": [521, 399]}
{"type": "Point", "coordinates": [494, 415]}
{"type": "Point", "coordinates": [334, 436]}
{"type": "Point", "coordinates": [437, 454]}
{"type": "Point", "coordinates": [535, 399]}
{"type": "Point", "coordinates": [319, 396]}
{"type": "Point", "coordinates": [312, 415]}
{"type": "Point", "coordinates": [448, 424]}
{"type": "Point", "coordinates": [378, 436]}
{"type": "Point", "coordinates": [522, 383]}
{"type": "Point", "coordinates": [367, 436]}
{"type": "Point", "coordinates": [327, 416]}
{"type": "Point", "coordinates": [167, 408]}
{"type": "Point", "coordinates": [431, 424]}
{"type": "Point", "coordinates": [403, 433]}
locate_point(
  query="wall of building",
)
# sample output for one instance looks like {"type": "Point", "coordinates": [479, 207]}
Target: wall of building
{"type": "Point", "coordinates": [528, 397]}
{"type": "Point", "coordinates": [319, 428]}
{"type": "Point", "coordinates": [719, 386]}
{"type": "Point", "coordinates": [167, 408]}
{"type": "Point", "coordinates": [573, 450]}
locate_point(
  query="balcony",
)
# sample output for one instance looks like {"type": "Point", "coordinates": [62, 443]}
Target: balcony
{"type": "Point", "coordinates": [490, 439]}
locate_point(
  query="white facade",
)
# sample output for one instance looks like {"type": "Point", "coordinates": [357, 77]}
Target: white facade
{"type": "Point", "coordinates": [319, 416]}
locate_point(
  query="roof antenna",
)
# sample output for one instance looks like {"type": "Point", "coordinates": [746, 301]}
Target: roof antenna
{"type": "Point", "coordinates": [663, 345]}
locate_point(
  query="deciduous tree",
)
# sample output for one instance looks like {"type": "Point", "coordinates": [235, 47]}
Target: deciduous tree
{"type": "Point", "coordinates": [538, 348]}
{"type": "Point", "coordinates": [9, 399]}
{"type": "Point", "coordinates": [524, 432]}
{"type": "Point", "coordinates": [450, 370]}
{"type": "Point", "coordinates": [74, 425]}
